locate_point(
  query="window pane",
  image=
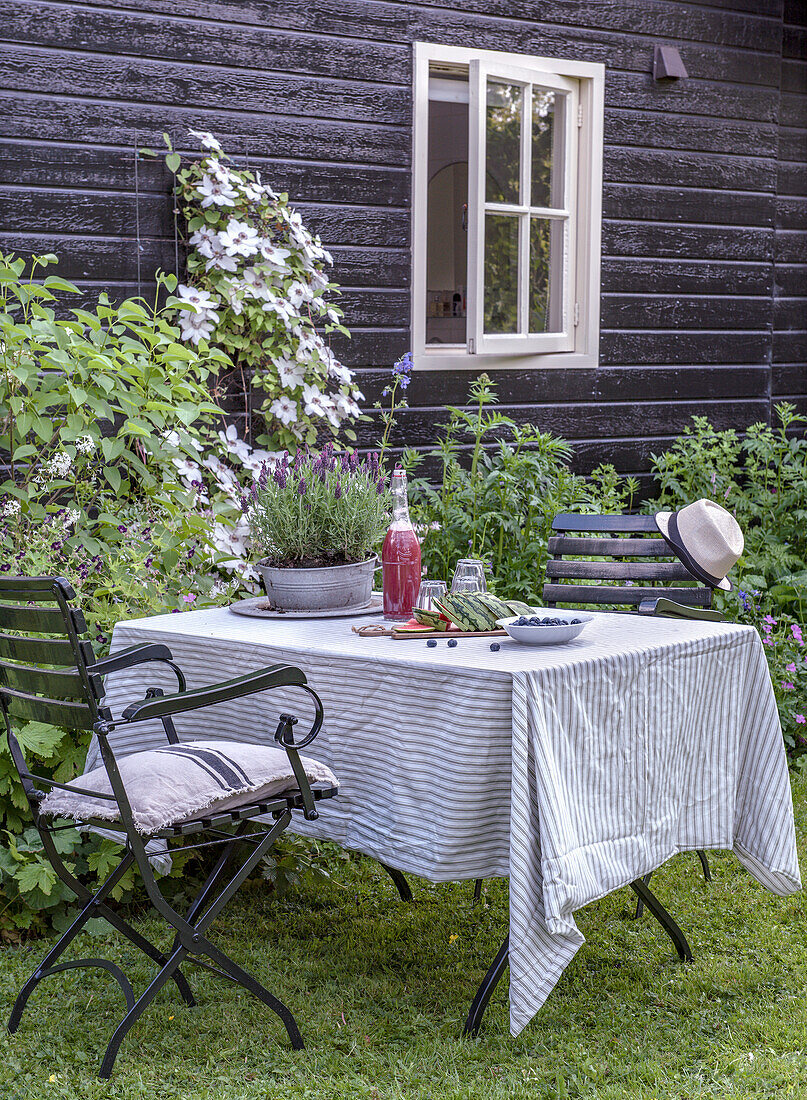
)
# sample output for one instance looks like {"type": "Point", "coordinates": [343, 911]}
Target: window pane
{"type": "Point", "coordinates": [446, 217]}
{"type": "Point", "coordinates": [546, 279]}
{"type": "Point", "coordinates": [501, 273]}
{"type": "Point", "coordinates": [548, 113]}
{"type": "Point", "coordinates": [503, 142]}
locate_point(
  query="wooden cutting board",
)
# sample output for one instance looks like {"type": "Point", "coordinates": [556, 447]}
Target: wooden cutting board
{"type": "Point", "coordinates": [399, 635]}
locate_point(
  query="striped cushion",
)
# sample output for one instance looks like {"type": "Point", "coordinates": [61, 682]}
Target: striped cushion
{"type": "Point", "coordinates": [178, 782]}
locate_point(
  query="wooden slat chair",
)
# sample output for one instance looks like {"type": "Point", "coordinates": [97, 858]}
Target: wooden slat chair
{"type": "Point", "coordinates": [48, 673]}
{"type": "Point", "coordinates": [615, 580]}
{"type": "Point", "coordinates": [608, 542]}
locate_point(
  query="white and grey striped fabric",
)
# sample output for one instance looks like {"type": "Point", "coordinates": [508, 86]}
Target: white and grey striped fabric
{"type": "Point", "coordinates": [642, 738]}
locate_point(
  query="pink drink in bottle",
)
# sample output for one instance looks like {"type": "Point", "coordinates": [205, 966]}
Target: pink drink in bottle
{"type": "Point", "coordinates": [400, 556]}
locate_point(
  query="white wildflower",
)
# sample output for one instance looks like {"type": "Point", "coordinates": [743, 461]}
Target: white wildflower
{"type": "Point", "coordinates": [284, 409]}
{"type": "Point", "coordinates": [346, 406]}
{"type": "Point", "coordinates": [215, 190]}
{"type": "Point", "coordinates": [85, 444]}
{"type": "Point", "coordinates": [239, 238]}
{"type": "Point", "coordinates": [235, 445]}
{"type": "Point", "coordinates": [206, 139]}
{"type": "Point", "coordinates": [11, 507]}
{"type": "Point", "coordinates": [60, 464]}
{"type": "Point", "coordinates": [70, 518]}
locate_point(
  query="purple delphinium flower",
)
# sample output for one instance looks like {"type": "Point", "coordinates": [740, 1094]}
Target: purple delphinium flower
{"type": "Point", "coordinates": [402, 369]}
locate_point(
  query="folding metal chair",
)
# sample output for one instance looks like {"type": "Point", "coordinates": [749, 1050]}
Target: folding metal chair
{"type": "Point", "coordinates": [48, 673]}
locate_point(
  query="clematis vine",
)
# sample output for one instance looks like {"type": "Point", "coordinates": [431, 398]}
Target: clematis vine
{"type": "Point", "coordinates": [258, 288]}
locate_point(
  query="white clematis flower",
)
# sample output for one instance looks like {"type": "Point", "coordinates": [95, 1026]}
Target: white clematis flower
{"type": "Point", "coordinates": [290, 374]}
{"type": "Point", "coordinates": [195, 326]}
{"type": "Point", "coordinates": [340, 373]}
{"type": "Point", "coordinates": [202, 240]}
{"type": "Point", "coordinates": [206, 139]}
{"type": "Point", "coordinates": [257, 284]}
{"type": "Point", "coordinates": [215, 190]}
{"type": "Point", "coordinates": [285, 410]}
{"type": "Point", "coordinates": [239, 238]}
{"type": "Point", "coordinates": [273, 254]}
{"type": "Point", "coordinates": [219, 257]}
{"type": "Point", "coordinates": [195, 296]}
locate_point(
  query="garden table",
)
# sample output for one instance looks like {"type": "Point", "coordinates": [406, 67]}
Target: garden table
{"type": "Point", "coordinates": [573, 770]}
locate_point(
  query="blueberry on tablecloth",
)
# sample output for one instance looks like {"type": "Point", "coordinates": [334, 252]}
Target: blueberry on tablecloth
{"type": "Point", "coordinates": [452, 642]}
{"type": "Point", "coordinates": [495, 647]}
{"type": "Point", "coordinates": [432, 642]}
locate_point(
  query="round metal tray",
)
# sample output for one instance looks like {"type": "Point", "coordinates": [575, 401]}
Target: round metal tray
{"type": "Point", "coordinates": [258, 608]}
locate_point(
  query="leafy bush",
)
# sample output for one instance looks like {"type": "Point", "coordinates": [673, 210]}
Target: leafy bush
{"type": "Point", "coordinates": [762, 479]}
{"type": "Point", "coordinates": [325, 509]}
{"type": "Point", "coordinates": [497, 502]}
{"type": "Point", "coordinates": [97, 412]}
{"type": "Point", "coordinates": [260, 290]}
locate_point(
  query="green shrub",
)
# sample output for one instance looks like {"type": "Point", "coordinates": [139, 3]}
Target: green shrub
{"type": "Point", "coordinates": [99, 412]}
{"type": "Point", "coordinates": [498, 486]}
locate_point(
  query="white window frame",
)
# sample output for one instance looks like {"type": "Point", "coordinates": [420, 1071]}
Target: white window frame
{"type": "Point", "coordinates": [578, 344]}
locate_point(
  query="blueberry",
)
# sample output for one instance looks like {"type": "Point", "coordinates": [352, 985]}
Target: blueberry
{"type": "Point", "coordinates": [546, 622]}
{"type": "Point", "coordinates": [495, 647]}
{"type": "Point", "coordinates": [535, 621]}
{"type": "Point", "coordinates": [432, 642]}
{"type": "Point", "coordinates": [574, 622]}
{"type": "Point", "coordinates": [521, 621]}
{"type": "Point", "coordinates": [452, 642]}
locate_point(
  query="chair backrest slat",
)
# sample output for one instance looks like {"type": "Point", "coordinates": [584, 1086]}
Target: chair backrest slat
{"type": "Point", "coordinates": [39, 620]}
{"type": "Point", "coordinates": [66, 695]}
{"type": "Point", "coordinates": [613, 524]}
{"type": "Point", "coordinates": [53, 712]}
{"type": "Point", "coordinates": [609, 548]}
{"type": "Point", "coordinates": [596, 540]}
{"type": "Point", "coordinates": [48, 681]}
{"type": "Point", "coordinates": [32, 589]}
{"type": "Point", "coordinates": [612, 594]}
{"type": "Point", "coordinates": [664, 571]}
{"type": "Point", "coordinates": [44, 651]}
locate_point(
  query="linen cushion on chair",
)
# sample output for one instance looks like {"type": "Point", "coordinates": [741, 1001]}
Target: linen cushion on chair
{"type": "Point", "coordinates": [172, 784]}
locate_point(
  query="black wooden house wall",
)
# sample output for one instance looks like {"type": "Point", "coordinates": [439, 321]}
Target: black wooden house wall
{"type": "Point", "coordinates": [704, 269]}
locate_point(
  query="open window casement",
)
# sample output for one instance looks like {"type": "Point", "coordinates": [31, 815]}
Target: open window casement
{"type": "Point", "coordinates": [506, 210]}
{"type": "Point", "coordinates": [522, 176]}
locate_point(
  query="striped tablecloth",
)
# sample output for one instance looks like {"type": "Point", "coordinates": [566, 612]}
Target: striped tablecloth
{"type": "Point", "coordinates": [571, 769]}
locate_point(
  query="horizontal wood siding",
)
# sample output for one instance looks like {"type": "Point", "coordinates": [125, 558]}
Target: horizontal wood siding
{"type": "Point", "coordinates": [704, 269]}
{"type": "Point", "coordinates": [789, 373]}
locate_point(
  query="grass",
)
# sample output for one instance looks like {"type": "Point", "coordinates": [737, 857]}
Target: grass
{"type": "Point", "coordinates": [380, 990]}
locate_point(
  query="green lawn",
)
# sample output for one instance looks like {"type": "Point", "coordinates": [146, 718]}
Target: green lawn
{"type": "Point", "coordinates": [380, 990]}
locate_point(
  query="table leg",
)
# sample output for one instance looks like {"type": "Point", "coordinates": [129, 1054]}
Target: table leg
{"type": "Point", "coordinates": [485, 991]}
{"type": "Point", "coordinates": [398, 877]}
{"type": "Point", "coordinates": [641, 889]}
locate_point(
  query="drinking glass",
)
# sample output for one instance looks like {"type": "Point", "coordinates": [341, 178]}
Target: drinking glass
{"type": "Point", "coordinates": [428, 593]}
{"type": "Point", "coordinates": [469, 576]}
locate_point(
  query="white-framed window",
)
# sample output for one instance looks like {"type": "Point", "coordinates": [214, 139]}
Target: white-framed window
{"type": "Point", "coordinates": [506, 209]}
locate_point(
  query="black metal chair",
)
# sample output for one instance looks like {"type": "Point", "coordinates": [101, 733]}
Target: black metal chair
{"type": "Point", "coordinates": [48, 673]}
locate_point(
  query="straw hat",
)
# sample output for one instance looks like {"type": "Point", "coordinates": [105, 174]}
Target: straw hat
{"type": "Point", "coordinates": [706, 538]}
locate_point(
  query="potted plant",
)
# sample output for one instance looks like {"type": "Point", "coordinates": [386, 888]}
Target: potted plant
{"type": "Point", "coordinates": [314, 520]}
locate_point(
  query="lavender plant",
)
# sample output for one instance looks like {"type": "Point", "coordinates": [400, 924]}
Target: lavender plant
{"type": "Point", "coordinates": [317, 509]}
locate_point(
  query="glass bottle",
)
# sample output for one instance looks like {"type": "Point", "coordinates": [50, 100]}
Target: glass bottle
{"type": "Point", "coordinates": [400, 556]}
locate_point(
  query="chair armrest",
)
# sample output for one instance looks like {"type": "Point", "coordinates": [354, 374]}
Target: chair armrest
{"type": "Point", "coordinates": [165, 705]}
{"type": "Point", "coordinates": [138, 655]}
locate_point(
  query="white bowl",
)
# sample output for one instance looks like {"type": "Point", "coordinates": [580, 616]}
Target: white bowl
{"type": "Point", "coordinates": [547, 635]}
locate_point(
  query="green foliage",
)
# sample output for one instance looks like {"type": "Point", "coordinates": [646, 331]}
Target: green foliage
{"type": "Point", "coordinates": [762, 479]}
{"type": "Point", "coordinates": [329, 508]}
{"type": "Point", "coordinates": [97, 411]}
{"type": "Point", "coordinates": [260, 291]}
{"type": "Point", "coordinates": [499, 484]}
